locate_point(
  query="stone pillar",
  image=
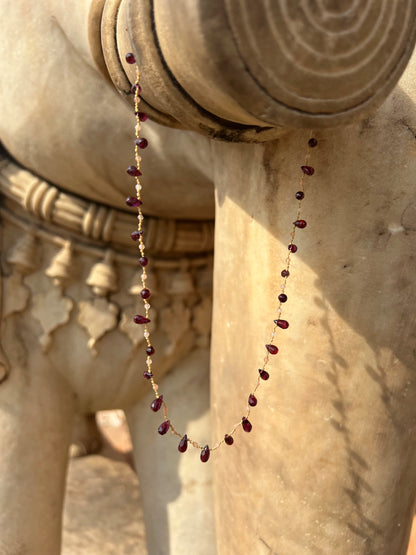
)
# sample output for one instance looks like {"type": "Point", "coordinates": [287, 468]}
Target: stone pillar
{"type": "Point", "coordinates": [329, 466]}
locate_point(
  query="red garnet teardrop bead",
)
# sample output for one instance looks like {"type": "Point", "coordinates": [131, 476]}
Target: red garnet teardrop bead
{"type": "Point", "coordinates": [145, 293]}
{"type": "Point", "coordinates": [285, 273]}
{"type": "Point", "coordinates": [284, 324]}
{"type": "Point", "coordinates": [138, 319]}
{"type": "Point", "coordinates": [307, 170]}
{"type": "Point", "coordinates": [150, 350]}
{"type": "Point", "coordinates": [247, 426]}
{"type": "Point", "coordinates": [301, 224]}
{"type": "Point", "coordinates": [183, 444]}
{"type": "Point", "coordinates": [130, 59]}
{"type": "Point", "coordinates": [252, 400]}
{"type": "Point", "coordinates": [141, 142]}
{"type": "Point", "coordinates": [142, 116]}
{"type": "Point", "coordinates": [205, 454]}
{"type": "Point", "coordinates": [135, 235]}
{"type": "Point", "coordinates": [263, 374]}
{"type": "Point", "coordinates": [143, 261]}
{"type": "Point", "coordinates": [133, 171]}
{"type": "Point", "coordinates": [229, 440]}
{"type": "Point", "coordinates": [273, 350]}
{"type": "Point", "coordinates": [133, 201]}
{"type": "Point", "coordinates": [135, 88]}
{"type": "Point", "coordinates": [147, 375]}
{"type": "Point", "coordinates": [164, 427]}
{"type": "Point", "coordinates": [156, 404]}
{"type": "Point", "coordinates": [292, 247]}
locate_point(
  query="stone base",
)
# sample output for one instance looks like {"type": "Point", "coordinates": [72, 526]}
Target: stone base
{"type": "Point", "coordinates": [103, 513]}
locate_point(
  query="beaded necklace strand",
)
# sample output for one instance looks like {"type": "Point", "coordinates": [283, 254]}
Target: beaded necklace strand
{"type": "Point", "coordinates": [143, 320]}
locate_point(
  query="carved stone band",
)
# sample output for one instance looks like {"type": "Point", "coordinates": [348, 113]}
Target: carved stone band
{"type": "Point", "coordinates": [244, 71]}
{"type": "Point", "coordinates": [100, 222]}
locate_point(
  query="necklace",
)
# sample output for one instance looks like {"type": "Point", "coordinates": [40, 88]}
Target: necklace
{"type": "Point", "coordinates": [143, 320]}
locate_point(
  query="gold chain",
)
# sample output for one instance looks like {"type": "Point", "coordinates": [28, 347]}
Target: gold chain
{"type": "Point", "coordinates": [144, 320]}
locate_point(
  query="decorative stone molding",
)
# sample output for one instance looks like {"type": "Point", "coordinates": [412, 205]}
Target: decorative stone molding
{"type": "Point", "coordinates": [52, 310]}
{"type": "Point", "coordinates": [99, 222]}
{"type": "Point", "coordinates": [201, 322]}
{"type": "Point", "coordinates": [22, 258]}
{"type": "Point", "coordinates": [16, 294]}
{"type": "Point", "coordinates": [98, 317]}
{"type": "Point", "coordinates": [77, 255]}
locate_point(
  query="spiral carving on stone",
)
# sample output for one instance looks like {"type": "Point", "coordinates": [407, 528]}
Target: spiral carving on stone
{"type": "Point", "coordinates": [242, 70]}
{"type": "Point", "coordinates": [329, 56]}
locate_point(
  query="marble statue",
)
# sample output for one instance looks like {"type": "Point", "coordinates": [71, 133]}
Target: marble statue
{"type": "Point", "coordinates": [231, 89]}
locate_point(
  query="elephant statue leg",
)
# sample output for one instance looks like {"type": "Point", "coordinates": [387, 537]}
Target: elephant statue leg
{"type": "Point", "coordinates": [329, 466]}
{"type": "Point", "coordinates": [176, 489]}
{"type": "Point", "coordinates": [36, 413]}
{"type": "Point", "coordinates": [86, 437]}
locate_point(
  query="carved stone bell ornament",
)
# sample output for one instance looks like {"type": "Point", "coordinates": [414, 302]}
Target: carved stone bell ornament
{"type": "Point", "coordinates": [60, 267]}
{"type": "Point", "coordinates": [103, 278]}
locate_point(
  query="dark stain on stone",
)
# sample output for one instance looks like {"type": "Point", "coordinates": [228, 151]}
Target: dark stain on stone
{"type": "Point", "coordinates": [268, 547]}
{"type": "Point", "coordinates": [408, 219]}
